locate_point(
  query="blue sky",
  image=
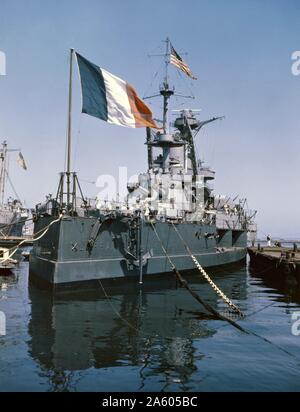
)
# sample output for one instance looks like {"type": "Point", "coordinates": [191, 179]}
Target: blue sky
{"type": "Point", "coordinates": [240, 50]}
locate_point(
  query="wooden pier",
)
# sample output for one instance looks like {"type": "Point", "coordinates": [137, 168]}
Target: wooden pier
{"type": "Point", "coordinates": [277, 263]}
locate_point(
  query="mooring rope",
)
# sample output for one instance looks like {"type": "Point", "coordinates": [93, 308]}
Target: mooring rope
{"type": "Point", "coordinates": [114, 309]}
{"type": "Point", "coordinates": [44, 230]}
{"type": "Point", "coordinates": [207, 277]}
{"type": "Point", "coordinates": [195, 295]}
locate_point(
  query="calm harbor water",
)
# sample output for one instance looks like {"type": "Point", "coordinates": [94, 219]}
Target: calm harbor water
{"type": "Point", "coordinates": [152, 339]}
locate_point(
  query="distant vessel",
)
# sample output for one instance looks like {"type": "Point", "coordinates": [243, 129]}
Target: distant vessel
{"type": "Point", "coordinates": [172, 201]}
{"type": "Point", "coordinates": [12, 213]}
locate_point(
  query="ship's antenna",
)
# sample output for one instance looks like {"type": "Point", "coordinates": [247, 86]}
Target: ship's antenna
{"type": "Point", "coordinates": [69, 135]}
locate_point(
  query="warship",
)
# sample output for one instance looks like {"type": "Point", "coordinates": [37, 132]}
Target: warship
{"type": "Point", "coordinates": [13, 215]}
{"type": "Point", "coordinates": [171, 212]}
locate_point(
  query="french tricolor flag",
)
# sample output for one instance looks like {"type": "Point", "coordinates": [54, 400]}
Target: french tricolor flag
{"type": "Point", "coordinates": [110, 98]}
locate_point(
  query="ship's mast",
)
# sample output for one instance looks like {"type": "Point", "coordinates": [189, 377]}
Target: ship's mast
{"type": "Point", "coordinates": [165, 139]}
{"type": "Point", "coordinates": [4, 175]}
{"type": "Point", "coordinates": [3, 170]}
{"type": "Point", "coordinates": [165, 91]}
{"type": "Point", "coordinates": [69, 133]}
{"type": "Point", "coordinates": [69, 178]}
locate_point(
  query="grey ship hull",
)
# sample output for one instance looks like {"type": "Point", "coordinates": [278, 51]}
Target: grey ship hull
{"type": "Point", "coordinates": [62, 257]}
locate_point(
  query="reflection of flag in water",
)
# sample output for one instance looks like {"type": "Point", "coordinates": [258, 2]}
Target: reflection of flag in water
{"type": "Point", "coordinates": [180, 63]}
{"type": "Point", "coordinates": [21, 161]}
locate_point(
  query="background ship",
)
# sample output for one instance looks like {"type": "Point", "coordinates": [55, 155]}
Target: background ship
{"type": "Point", "coordinates": [13, 215]}
{"type": "Point", "coordinates": [172, 206]}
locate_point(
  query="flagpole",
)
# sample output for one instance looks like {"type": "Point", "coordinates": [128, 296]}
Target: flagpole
{"type": "Point", "coordinates": [69, 136]}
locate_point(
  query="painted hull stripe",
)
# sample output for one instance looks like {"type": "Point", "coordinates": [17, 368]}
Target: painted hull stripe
{"type": "Point", "coordinates": [152, 257]}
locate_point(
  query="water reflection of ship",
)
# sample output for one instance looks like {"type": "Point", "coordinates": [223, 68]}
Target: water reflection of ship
{"type": "Point", "coordinates": [155, 330]}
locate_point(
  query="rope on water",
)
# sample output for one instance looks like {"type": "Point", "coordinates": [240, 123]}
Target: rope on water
{"type": "Point", "coordinates": [207, 277]}
{"type": "Point", "coordinates": [115, 310]}
{"type": "Point", "coordinates": [195, 295]}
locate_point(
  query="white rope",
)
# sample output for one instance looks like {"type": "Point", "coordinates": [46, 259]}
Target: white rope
{"type": "Point", "coordinates": [44, 230]}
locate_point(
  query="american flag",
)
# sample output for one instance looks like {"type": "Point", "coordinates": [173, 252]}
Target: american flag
{"type": "Point", "coordinates": [180, 63]}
